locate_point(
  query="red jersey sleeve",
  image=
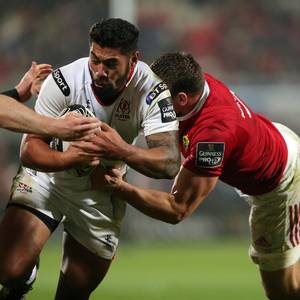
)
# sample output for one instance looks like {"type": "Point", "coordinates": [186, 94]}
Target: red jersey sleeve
{"type": "Point", "coordinates": [209, 149]}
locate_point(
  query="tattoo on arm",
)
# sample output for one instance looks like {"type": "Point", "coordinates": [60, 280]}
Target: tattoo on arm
{"type": "Point", "coordinates": [169, 141]}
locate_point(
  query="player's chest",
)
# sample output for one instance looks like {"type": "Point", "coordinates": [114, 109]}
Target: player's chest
{"type": "Point", "coordinates": [122, 114]}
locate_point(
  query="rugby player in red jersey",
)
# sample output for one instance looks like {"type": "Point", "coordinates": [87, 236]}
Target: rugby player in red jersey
{"type": "Point", "coordinates": [222, 138]}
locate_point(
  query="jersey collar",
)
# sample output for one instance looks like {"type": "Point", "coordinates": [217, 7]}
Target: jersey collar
{"type": "Point", "coordinates": [199, 104]}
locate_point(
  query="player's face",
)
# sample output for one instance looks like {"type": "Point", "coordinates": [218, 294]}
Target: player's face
{"type": "Point", "coordinates": [110, 68]}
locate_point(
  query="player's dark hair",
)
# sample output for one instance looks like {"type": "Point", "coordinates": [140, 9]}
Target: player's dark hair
{"type": "Point", "coordinates": [115, 33]}
{"type": "Point", "coordinates": [180, 71]}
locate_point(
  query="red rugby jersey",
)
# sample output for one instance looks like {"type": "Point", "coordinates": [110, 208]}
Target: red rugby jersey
{"type": "Point", "coordinates": [223, 137]}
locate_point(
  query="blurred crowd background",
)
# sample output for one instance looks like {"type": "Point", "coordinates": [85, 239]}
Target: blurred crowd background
{"type": "Point", "coordinates": [253, 46]}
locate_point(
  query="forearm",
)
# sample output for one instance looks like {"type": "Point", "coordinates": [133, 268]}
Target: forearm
{"type": "Point", "coordinates": [158, 162]}
{"type": "Point", "coordinates": [38, 156]}
{"type": "Point", "coordinates": [18, 117]}
{"type": "Point", "coordinates": [153, 203]}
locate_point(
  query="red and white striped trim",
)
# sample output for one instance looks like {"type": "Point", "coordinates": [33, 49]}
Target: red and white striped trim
{"type": "Point", "coordinates": [294, 224]}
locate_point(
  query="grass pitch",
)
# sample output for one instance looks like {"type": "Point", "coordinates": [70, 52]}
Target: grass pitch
{"type": "Point", "coordinates": [204, 270]}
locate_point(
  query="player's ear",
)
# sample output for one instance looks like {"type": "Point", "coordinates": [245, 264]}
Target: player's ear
{"type": "Point", "coordinates": [134, 58]}
{"type": "Point", "coordinates": [182, 98]}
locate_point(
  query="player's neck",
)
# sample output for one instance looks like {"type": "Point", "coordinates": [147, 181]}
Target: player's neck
{"type": "Point", "coordinates": [192, 103]}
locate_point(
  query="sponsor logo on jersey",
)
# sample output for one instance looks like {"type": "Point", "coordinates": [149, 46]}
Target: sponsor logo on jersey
{"type": "Point", "coordinates": [209, 155]}
{"type": "Point", "coordinates": [24, 188]}
{"type": "Point", "coordinates": [155, 92]}
{"type": "Point", "coordinates": [61, 82]}
{"type": "Point", "coordinates": [167, 110]}
{"type": "Point", "coordinates": [123, 110]}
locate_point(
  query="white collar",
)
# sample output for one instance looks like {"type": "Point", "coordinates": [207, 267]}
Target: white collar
{"type": "Point", "coordinates": [199, 104]}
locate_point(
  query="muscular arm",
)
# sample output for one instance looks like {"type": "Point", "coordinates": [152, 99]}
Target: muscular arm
{"type": "Point", "coordinates": [36, 154]}
{"type": "Point", "coordinates": [188, 192]}
{"type": "Point", "coordinates": [160, 160]}
{"type": "Point", "coordinates": [17, 117]}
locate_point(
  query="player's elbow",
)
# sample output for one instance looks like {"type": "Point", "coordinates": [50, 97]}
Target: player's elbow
{"type": "Point", "coordinates": [175, 218]}
{"type": "Point", "coordinates": [28, 155]}
{"type": "Point", "coordinates": [178, 214]}
{"type": "Point", "coordinates": [25, 156]}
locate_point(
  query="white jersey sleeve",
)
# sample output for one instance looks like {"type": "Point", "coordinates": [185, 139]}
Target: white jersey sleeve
{"type": "Point", "coordinates": [161, 116]}
{"type": "Point", "coordinates": [52, 98]}
{"type": "Point", "coordinates": [158, 114]}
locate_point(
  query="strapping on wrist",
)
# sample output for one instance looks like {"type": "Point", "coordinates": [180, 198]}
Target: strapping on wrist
{"type": "Point", "coordinates": [13, 93]}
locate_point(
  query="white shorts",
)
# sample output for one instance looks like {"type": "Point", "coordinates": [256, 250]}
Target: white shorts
{"type": "Point", "coordinates": [92, 217]}
{"type": "Point", "coordinates": [274, 217]}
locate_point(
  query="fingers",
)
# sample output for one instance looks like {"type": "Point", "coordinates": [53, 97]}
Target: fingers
{"type": "Point", "coordinates": [87, 147]}
{"type": "Point", "coordinates": [113, 177]}
{"type": "Point", "coordinates": [74, 114]}
{"type": "Point", "coordinates": [41, 71]}
{"type": "Point", "coordinates": [116, 172]}
{"type": "Point", "coordinates": [88, 128]}
{"type": "Point", "coordinates": [94, 162]}
{"type": "Point", "coordinates": [91, 123]}
{"type": "Point", "coordinates": [37, 69]}
{"type": "Point", "coordinates": [86, 132]}
{"type": "Point", "coordinates": [83, 128]}
{"type": "Point", "coordinates": [87, 136]}
{"type": "Point", "coordinates": [37, 74]}
{"type": "Point", "coordinates": [79, 119]}
{"type": "Point", "coordinates": [105, 127]}
{"type": "Point", "coordinates": [33, 65]}
{"type": "Point", "coordinates": [43, 66]}
{"type": "Point", "coordinates": [43, 74]}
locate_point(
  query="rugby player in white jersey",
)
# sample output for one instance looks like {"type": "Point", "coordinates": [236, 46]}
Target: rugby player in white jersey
{"type": "Point", "coordinates": [123, 92]}
{"type": "Point", "coordinates": [17, 117]}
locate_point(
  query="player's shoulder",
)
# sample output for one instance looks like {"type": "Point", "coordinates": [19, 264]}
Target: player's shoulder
{"type": "Point", "coordinates": [147, 84]}
{"type": "Point", "coordinates": [144, 77]}
{"type": "Point", "coordinates": [71, 75]}
{"type": "Point", "coordinates": [74, 65]}
{"type": "Point", "coordinates": [74, 69]}
{"type": "Point", "coordinates": [217, 87]}
{"type": "Point", "coordinates": [222, 103]}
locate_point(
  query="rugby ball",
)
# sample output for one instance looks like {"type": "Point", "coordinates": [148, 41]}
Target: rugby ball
{"type": "Point", "coordinates": [60, 145]}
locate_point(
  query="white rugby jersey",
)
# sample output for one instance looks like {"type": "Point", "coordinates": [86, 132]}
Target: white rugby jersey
{"type": "Point", "coordinates": [144, 106]}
